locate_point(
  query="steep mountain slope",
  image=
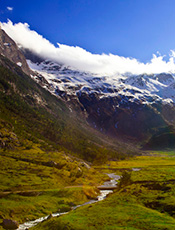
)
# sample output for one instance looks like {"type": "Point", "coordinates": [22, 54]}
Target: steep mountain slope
{"type": "Point", "coordinates": [30, 112]}
{"type": "Point", "coordinates": [9, 49]}
{"type": "Point", "coordinates": [126, 106]}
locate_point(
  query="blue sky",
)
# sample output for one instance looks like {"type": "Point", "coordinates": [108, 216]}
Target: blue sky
{"type": "Point", "coordinates": [129, 28]}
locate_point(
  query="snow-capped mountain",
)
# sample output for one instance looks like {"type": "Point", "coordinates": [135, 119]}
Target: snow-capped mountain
{"type": "Point", "coordinates": [132, 106]}
{"type": "Point", "coordinates": [143, 88]}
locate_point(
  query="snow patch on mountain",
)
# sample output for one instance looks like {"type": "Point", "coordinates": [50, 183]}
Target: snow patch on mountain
{"type": "Point", "coordinates": [144, 88]}
{"type": "Point", "coordinates": [19, 64]}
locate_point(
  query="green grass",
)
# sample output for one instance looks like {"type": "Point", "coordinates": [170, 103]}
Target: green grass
{"type": "Point", "coordinates": [23, 169]}
{"type": "Point", "coordinates": [116, 212]}
{"type": "Point", "coordinates": [30, 188]}
{"type": "Point", "coordinates": [146, 200]}
{"type": "Point", "coordinates": [32, 205]}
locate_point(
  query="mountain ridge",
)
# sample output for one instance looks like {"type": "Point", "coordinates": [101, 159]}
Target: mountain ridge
{"type": "Point", "coordinates": [34, 113]}
{"type": "Point", "coordinates": [133, 107]}
{"type": "Point", "coordinates": [130, 108]}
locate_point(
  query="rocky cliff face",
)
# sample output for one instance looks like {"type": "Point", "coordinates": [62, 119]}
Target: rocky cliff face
{"type": "Point", "coordinates": [9, 49]}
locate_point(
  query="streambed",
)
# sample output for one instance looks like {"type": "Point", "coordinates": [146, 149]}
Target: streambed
{"type": "Point", "coordinates": [104, 191]}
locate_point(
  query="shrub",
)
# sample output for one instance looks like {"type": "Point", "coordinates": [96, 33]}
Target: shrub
{"type": "Point", "coordinates": [125, 179]}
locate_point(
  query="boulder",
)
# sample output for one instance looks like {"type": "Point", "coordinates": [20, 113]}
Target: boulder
{"type": "Point", "coordinates": [10, 224]}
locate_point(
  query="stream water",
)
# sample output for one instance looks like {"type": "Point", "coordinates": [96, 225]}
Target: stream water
{"type": "Point", "coordinates": [103, 193]}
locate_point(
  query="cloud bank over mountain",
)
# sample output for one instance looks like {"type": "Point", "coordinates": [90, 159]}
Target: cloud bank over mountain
{"type": "Point", "coordinates": [79, 58]}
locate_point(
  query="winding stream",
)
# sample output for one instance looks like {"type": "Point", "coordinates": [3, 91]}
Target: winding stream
{"type": "Point", "coordinates": [112, 183]}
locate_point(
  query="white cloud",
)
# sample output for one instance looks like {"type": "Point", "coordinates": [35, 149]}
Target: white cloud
{"type": "Point", "coordinates": [81, 59]}
{"type": "Point", "coordinates": [9, 8]}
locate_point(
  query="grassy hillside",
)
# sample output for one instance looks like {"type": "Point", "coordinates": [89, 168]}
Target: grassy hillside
{"type": "Point", "coordinates": [35, 182]}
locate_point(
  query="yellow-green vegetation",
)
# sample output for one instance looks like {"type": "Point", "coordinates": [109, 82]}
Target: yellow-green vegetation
{"type": "Point", "coordinates": [153, 159]}
{"type": "Point", "coordinates": [35, 183]}
{"type": "Point", "coordinates": [116, 212]}
{"type": "Point", "coordinates": [30, 205]}
{"type": "Point", "coordinates": [144, 199]}
{"type": "Point", "coordinates": [36, 169]}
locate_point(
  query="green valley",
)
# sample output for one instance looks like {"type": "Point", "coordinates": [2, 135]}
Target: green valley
{"type": "Point", "coordinates": [143, 200]}
{"type": "Point", "coordinates": [46, 150]}
{"type": "Point", "coordinates": [66, 135]}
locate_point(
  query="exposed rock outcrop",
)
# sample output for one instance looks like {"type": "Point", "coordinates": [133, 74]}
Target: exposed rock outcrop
{"type": "Point", "coordinates": [9, 49]}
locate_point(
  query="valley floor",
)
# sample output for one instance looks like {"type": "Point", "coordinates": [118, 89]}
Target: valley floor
{"type": "Point", "coordinates": [35, 183]}
{"type": "Point", "coordinates": [144, 199]}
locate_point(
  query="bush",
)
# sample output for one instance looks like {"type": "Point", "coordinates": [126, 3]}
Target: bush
{"type": "Point", "coordinates": [125, 179]}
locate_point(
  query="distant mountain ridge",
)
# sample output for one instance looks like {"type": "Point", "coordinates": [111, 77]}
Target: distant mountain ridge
{"type": "Point", "coordinates": [156, 87]}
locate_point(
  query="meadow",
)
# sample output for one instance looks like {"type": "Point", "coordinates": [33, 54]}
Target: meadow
{"type": "Point", "coordinates": [144, 199]}
{"type": "Point", "coordinates": [35, 183]}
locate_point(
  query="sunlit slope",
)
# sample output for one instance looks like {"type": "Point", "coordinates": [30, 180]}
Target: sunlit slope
{"type": "Point", "coordinates": [144, 199]}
